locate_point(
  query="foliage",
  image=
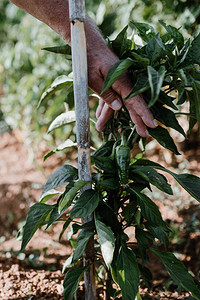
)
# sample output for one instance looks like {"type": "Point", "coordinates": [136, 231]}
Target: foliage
{"type": "Point", "coordinates": [26, 70]}
{"type": "Point", "coordinates": [158, 67]}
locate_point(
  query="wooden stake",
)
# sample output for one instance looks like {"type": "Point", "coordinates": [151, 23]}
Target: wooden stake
{"type": "Point", "coordinates": [79, 63]}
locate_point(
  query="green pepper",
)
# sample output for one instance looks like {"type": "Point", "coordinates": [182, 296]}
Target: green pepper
{"type": "Point", "coordinates": [122, 155]}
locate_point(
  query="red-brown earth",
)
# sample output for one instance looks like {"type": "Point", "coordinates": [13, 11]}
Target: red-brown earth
{"type": "Point", "coordinates": [36, 274]}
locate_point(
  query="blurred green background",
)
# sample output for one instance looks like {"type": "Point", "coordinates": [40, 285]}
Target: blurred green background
{"type": "Point", "coordinates": [26, 70]}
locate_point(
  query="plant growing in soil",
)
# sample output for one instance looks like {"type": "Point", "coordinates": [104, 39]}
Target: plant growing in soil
{"type": "Point", "coordinates": [165, 69]}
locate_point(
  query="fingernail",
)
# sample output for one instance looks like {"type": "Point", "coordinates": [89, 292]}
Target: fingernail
{"type": "Point", "coordinates": [155, 123]}
{"type": "Point", "coordinates": [116, 105]}
{"type": "Point", "coordinates": [147, 133]}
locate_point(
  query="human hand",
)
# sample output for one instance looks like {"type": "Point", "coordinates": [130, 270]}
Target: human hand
{"type": "Point", "coordinates": [99, 62]}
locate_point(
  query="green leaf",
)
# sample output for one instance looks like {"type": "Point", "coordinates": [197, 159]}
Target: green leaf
{"type": "Point", "coordinates": [67, 144]}
{"type": "Point", "coordinates": [104, 151]}
{"type": "Point", "coordinates": [155, 48]}
{"type": "Point", "coordinates": [145, 31]}
{"type": "Point", "coordinates": [106, 215]}
{"type": "Point", "coordinates": [142, 238]}
{"type": "Point", "coordinates": [155, 81]}
{"type": "Point", "coordinates": [196, 93]}
{"type": "Point", "coordinates": [185, 77]}
{"type": "Point", "coordinates": [139, 183]}
{"type": "Point", "coordinates": [146, 275]}
{"type": "Point", "coordinates": [85, 204]}
{"type": "Point", "coordinates": [35, 218]}
{"type": "Point", "coordinates": [69, 196]}
{"type": "Point", "coordinates": [178, 272]}
{"type": "Point", "coordinates": [62, 175]}
{"type": "Point", "coordinates": [196, 74]}
{"type": "Point", "coordinates": [167, 100]}
{"type": "Point", "coordinates": [181, 92]}
{"type": "Point", "coordinates": [162, 136]}
{"type": "Point", "coordinates": [192, 120]}
{"type": "Point", "coordinates": [125, 273]}
{"type": "Point", "coordinates": [121, 44]}
{"type": "Point", "coordinates": [141, 85]}
{"type": "Point", "coordinates": [65, 226]}
{"type": "Point", "coordinates": [106, 241]}
{"type": "Point", "coordinates": [115, 72]}
{"type": "Point", "coordinates": [49, 194]}
{"type": "Point", "coordinates": [59, 83]}
{"type": "Point", "coordinates": [166, 117]}
{"type": "Point", "coordinates": [56, 214]}
{"type": "Point", "coordinates": [65, 118]}
{"type": "Point", "coordinates": [159, 233]}
{"type": "Point", "coordinates": [194, 51]}
{"type": "Point", "coordinates": [65, 49]}
{"type": "Point", "coordinates": [149, 210]}
{"type": "Point", "coordinates": [143, 60]}
{"type": "Point", "coordinates": [105, 163]}
{"type": "Point", "coordinates": [82, 241]}
{"type": "Point", "coordinates": [175, 34]}
{"type": "Point", "coordinates": [68, 263]}
{"type": "Point", "coordinates": [110, 183]}
{"type": "Point", "coordinates": [146, 162]}
{"type": "Point", "coordinates": [129, 211]}
{"type": "Point", "coordinates": [71, 281]}
{"type": "Point", "coordinates": [184, 52]}
{"type": "Point", "coordinates": [190, 183]}
{"type": "Point", "coordinates": [166, 37]}
{"type": "Point", "coordinates": [152, 176]}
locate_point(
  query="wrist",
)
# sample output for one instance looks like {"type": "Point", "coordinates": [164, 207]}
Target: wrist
{"type": "Point", "coordinates": [98, 52]}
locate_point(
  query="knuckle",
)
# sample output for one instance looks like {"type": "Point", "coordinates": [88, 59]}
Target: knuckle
{"type": "Point", "coordinates": [108, 96]}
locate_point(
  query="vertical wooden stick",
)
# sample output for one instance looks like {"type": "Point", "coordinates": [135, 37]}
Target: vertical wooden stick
{"type": "Point", "coordinates": [79, 63]}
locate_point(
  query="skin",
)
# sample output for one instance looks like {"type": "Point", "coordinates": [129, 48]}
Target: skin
{"type": "Point", "coordinates": [55, 14]}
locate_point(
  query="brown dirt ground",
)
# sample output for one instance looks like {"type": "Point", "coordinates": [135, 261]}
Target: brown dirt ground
{"type": "Point", "coordinates": [37, 273]}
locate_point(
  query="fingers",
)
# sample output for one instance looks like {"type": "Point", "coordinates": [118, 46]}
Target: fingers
{"type": "Point", "coordinates": [139, 124]}
{"type": "Point", "coordinates": [111, 97]}
{"type": "Point", "coordinates": [99, 108]}
{"type": "Point", "coordinates": [140, 107]}
{"type": "Point", "coordinates": [137, 107]}
{"type": "Point", "coordinates": [138, 110]}
{"type": "Point", "coordinates": [140, 115]}
{"type": "Point", "coordinates": [103, 113]}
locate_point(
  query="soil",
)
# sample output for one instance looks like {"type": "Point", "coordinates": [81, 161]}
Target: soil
{"type": "Point", "coordinates": [37, 273]}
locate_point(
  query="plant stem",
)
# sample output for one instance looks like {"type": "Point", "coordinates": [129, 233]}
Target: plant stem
{"type": "Point", "coordinates": [133, 129]}
{"type": "Point", "coordinates": [186, 114]}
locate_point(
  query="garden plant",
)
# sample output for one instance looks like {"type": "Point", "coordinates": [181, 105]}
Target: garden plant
{"type": "Point", "coordinates": [165, 69]}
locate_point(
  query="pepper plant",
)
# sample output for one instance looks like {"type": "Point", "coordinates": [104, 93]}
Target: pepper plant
{"type": "Point", "coordinates": [165, 69]}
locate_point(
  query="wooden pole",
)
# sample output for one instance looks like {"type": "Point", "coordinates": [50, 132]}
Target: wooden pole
{"type": "Point", "coordinates": [79, 64]}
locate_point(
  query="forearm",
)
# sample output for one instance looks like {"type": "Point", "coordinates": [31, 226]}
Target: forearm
{"type": "Point", "coordinates": [55, 13]}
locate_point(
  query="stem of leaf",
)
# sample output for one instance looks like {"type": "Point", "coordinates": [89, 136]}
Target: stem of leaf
{"type": "Point", "coordinates": [135, 138]}
{"type": "Point", "coordinates": [132, 131]}
{"type": "Point", "coordinates": [186, 114]}
{"type": "Point", "coordinates": [93, 121]}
